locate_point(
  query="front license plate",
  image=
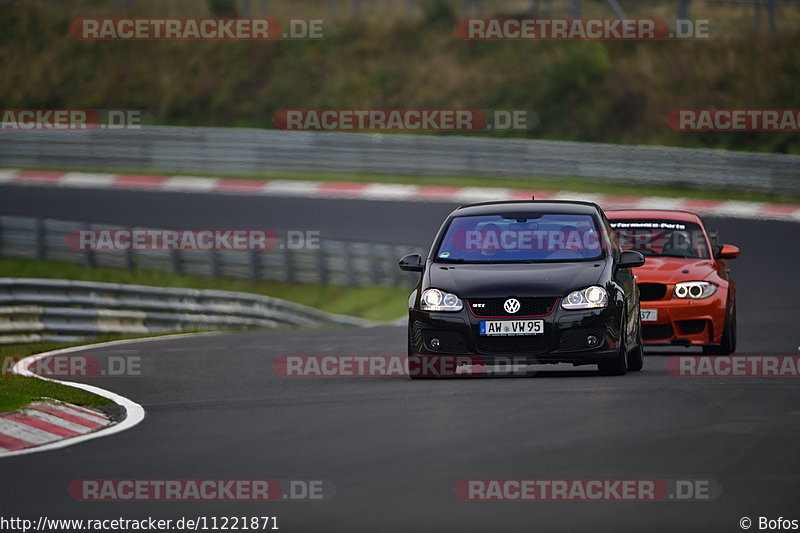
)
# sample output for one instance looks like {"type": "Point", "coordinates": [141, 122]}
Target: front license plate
{"type": "Point", "coordinates": [649, 315]}
{"type": "Point", "coordinates": [512, 327]}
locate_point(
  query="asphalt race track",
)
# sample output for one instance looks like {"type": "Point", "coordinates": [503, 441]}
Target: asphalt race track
{"type": "Point", "coordinates": [395, 448]}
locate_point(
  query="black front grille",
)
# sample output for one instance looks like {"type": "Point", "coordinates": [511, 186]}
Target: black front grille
{"type": "Point", "coordinates": [652, 291]}
{"type": "Point", "coordinates": [493, 307]}
{"type": "Point", "coordinates": [574, 339]}
{"type": "Point", "coordinates": [519, 344]}
{"type": "Point", "coordinates": [691, 327]}
{"type": "Point", "coordinates": [656, 331]}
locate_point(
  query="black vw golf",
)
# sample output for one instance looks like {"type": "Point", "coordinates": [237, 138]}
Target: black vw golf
{"type": "Point", "coordinates": [528, 281]}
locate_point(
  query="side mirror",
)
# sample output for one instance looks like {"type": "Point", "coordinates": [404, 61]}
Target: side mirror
{"type": "Point", "coordinates": [411, 263]}
{"type": "Point", "coordinates": [630, 259]}
{"type": "Point", "coordinates": [728, 251]}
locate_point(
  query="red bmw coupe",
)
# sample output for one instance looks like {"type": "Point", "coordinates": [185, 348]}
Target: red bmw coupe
{"type": "Point", "coordinates": [686, 291]}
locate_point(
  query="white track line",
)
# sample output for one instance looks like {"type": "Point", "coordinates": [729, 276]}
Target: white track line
{"type": "Point", "coordinates": [658, 202]}
{"type": "Point", "coordinates": [481, 194]}
{"type": "Point", "coordinates": [134, 412]}
{"type": "Point", "coordinates": [82, 179]}
{"type": "Point", "coordinates": [389, 191]}
{"type": "Point", "coordinates": [190, 184]}
{"type": "Point", "coordinates": [577, 196]}
{"type": "Point", "coordinates": [290, 188]}
{"type": "Point", "coordinates": [738, 209]}
{"type": "Point", "coordinates": [7, 175]}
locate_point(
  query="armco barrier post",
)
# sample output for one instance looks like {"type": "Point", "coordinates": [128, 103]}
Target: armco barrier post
{"type": "Point", "coordinates": [176, 261]}
{"type": "Point", "coordinates": [254, 264]}
{"type": "Point", "coordinates": [348, 265]}
{"type": "Point", "coordinates": [322, 267]}
{"type": "Point", "coordinates": [771, 14]}
{"type": "Point", "coordinates": [214, 263]}
{"type": "Point", "coordinates": [38, 239]}
{"type": "Point", "coordinates": [576, 9]}
{"type": "Point", "coordinates": [130, 262]}
{"type": "Point", "coordinates": [288, 265]}
{"type": "Point", "coordinates": [683, 9]}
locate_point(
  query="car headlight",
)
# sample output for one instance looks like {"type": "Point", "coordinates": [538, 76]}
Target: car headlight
{"type": "Point", "coordinates": [593, 297]}
{"type": "Point", "coordinates": [436, 300]}
{"type": "Point", "coordinates": [695, 290]}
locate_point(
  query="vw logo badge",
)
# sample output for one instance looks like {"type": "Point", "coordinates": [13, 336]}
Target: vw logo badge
{"type": "Point", "coordinates": [511, 306]}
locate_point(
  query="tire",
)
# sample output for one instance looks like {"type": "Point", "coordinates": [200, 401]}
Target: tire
{"type": "Point", "coordinates": [636, 356]}
{"type": "Point", "coordinates": [728, 345]}
{"type": "Point", "coordinates": [619, 365]}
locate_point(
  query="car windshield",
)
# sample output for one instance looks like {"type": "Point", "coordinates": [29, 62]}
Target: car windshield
{"type": "Point", "coordinates": [520, 238]}
{"type": "Point", "coordinates": [662, 238]}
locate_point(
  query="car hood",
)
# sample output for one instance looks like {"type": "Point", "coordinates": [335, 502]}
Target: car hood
{"type": "Point", "coordinates": [522, 280]}
{"type": "Point", "coordinates": [673, 270]}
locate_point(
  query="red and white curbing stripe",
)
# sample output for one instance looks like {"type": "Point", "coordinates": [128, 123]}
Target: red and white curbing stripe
{"type": "Point", "coordinates": [45, 422]}
{"type": "Point", "coordinates": [389, 192]}
{"type": "Point", "coordinates": [51, 425]}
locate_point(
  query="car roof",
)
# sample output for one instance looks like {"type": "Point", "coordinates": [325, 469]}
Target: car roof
{"type": "Point", "coordinates": [653, 214]}
{"type": "Point", "coordinates": [560, 207]}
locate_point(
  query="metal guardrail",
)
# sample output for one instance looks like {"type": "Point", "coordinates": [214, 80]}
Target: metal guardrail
{"type": "Point", "coordinates": [55, 310]}
{"type": "Point", "coordinates": [253, 150]}
{"type": "Point", "coordinates": [333, 262]}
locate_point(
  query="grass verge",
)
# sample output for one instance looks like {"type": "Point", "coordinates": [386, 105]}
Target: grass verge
{"type": "Point", "coordinates": [18, 391]}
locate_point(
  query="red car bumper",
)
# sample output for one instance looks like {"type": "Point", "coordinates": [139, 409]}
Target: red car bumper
{"type": "Point", "coordinates": [685, 321]}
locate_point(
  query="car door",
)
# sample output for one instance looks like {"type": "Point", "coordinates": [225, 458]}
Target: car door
{"type": "Point", "coordinates": [625, 279]}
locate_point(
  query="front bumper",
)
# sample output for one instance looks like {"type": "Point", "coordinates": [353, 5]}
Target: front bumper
{"type": "Point", "coordinates": [683, 321]}
{"type": "Point", "coordinates": [564, 339]}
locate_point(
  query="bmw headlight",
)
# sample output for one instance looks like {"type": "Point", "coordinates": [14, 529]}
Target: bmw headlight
{"type": "Point", "coordinates": [593, 297]}
{"type": "Point", "coordinates": [436, 300]}
{"type": "Point", "coordinates": [695, 290]}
